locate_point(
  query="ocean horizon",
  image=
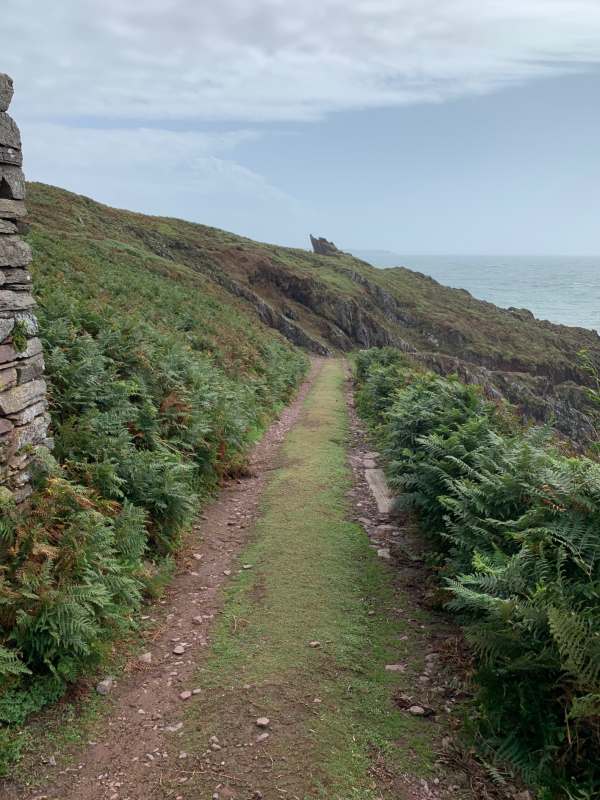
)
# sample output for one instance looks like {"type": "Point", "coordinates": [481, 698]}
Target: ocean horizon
{"type": "Point", "coordinates": [562, 289]}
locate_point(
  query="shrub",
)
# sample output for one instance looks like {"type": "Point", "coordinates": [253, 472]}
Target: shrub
{"type": "Point", "coordinates": [155, 397]}
{"type": "Point", "coordinates": [517, 525]}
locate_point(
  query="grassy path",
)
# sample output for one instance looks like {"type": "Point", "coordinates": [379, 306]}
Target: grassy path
{"type": "Point", "coordinates": [310, 577]}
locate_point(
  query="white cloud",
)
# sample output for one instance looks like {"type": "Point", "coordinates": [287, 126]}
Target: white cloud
{"type": "Point", "coordinates": [277, 60]}
{"type": "Point", "coordinates": [157, 171]}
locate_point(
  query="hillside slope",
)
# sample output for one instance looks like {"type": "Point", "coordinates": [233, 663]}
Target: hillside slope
{"type": "Point", "coordinates": [329, 303]}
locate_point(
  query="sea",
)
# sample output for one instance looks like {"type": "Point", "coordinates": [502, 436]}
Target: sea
{"type": "Point", "coordinates": [563, 289]}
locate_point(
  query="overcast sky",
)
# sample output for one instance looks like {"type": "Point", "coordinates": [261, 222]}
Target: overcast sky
{"type": "Point", "coordinates": [433, 126]}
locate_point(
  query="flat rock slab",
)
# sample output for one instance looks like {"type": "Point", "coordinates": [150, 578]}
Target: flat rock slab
{"type": "Point", "coordinates": [379, 488]}
{"type": "Point", "coordinates": [12, 209]}
{"type": "Point", "coordinates": [15, 400]}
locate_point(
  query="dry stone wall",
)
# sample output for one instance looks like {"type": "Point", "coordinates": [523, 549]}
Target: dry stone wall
{"type": "Point", "coordinates": [24, 416]}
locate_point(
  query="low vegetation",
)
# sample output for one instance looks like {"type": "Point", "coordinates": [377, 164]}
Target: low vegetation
{"type": "Point", "coordinates": [512, 521]}
{"type": "Point", "coordinates": [158, 387]}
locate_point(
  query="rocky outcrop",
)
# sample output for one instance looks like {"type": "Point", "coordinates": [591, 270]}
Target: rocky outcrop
{"type": "Point", "coordinates": [24, 416]}
{"type": "Point", "coordinates": [271, 317]}
{"type": "Point", "coordinates": [322, 247]}
{"type": "Point", "coordinates": [563, 406]}
{"type": "Point", "coordinates": [344, 321]}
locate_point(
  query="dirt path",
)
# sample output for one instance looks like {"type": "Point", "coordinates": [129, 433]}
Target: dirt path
{"type": "Point", "coordinates": [145, 705]}
{"type": "Point", "coordinates": [296, 676]}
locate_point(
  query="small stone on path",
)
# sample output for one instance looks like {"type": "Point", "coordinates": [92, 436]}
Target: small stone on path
{"type": "Point", "coordinates": [179, 650]}
{"type": "Point", "coordinates": [314, 644]}
{"type": "Point", "coordinates": [417, 711]}
{"type": "Point", "coordinates": [146, 658]}
{"type": "Point", "coordinates": [185, 695]}
{"type": "Point", "coordinates": [263, 722]}
{"type": "Point", "coordinates": [262, 737]}
{"type": "Point", "coordinates": [105, 686]}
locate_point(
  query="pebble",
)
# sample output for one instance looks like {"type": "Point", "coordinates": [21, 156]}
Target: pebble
{"type": "Point", "coordinates": [262, 738]}
{"type": "Point", "coordinates": [395, 667]}
{"type": "Point", "coordinates": [178, 650]}
{"type": "Point", "coordinates": [227, 572]}
{"type": "Point", "coordinates": [146, 658]}
{"type": "Point", "coordinates": [314, 644]}
{"type": "Point", "coordinates": [185, 695]}
{"type": "Point", "coordinates": [174, 728]}
{"type": "Point", "coordinates": [417, 711]}
{"type": "Point", "coordinates": [105, 686]}
{"type": "Point", "coordinates": [263, 722]}
{"type": "Point", "coordinates": [197, 620]}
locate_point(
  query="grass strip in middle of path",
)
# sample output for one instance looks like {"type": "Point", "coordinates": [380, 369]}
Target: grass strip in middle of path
{"type": "Point", "coordinates": [312, 577]}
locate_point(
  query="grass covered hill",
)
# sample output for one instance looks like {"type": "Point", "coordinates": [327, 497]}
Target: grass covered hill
{"type": "Point", "coordinates": [329, 303]}
{"type": "Point", "coordinates": [159, 383]}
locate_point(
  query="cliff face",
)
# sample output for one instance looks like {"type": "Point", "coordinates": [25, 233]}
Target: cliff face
{"type": "Point", "coordinates": [335, 302]}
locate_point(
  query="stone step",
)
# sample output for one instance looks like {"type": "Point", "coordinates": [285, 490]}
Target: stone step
{"type": "Point", "coordinates": [379, 488]}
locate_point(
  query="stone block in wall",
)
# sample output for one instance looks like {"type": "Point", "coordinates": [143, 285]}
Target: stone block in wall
{"type": "Point", "coordinates": [31, 433]}
{"type": "Point", "coordinates": [6, 427]}
{"type": "Point", "coordinates": [9, 155]}
{"type": "Point", "coordinates": [9, 132]}
{"type": "Point", "coordinates": [29, 321]}
{"type": "Point", "coordinates": [15, 301]}
{"type": "Point", "coordinates": [34, 348]}
{"type": "Point", "coordinates": [30, 369]}
{"type": "Point", "coordinates": [7, 227]}
{"type": "Point", "coordinates": [15, 277]}
{"type": "Point", "coordinates": [28, 414]}
{"type": "Point", "coordinates": [8, 379]}
{"type": "Point", "coordinates": [14, 181]}
{"type": "Point", "coordinates": [14, 252]}
{"type": "Point", "coordinates": [6, 326]}
{"type": "Point", "coordinates": [8, 355]}
{"type": "Point", "coordinates": [6, 91]}
{"type": "Point", "coordinates": [18, 398]}
{"type": "Point", "coordinates": [12, 209]}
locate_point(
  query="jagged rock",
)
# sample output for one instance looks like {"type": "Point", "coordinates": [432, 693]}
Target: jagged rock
{"type": "Point", "coordinates": [6, 91]}
{"type": "Point", "coordinates": [12, 209]}
{"type": "Point", "coordinates": [9, 132]}
{"type": "Point", "coordinates": [14, 400]}
{"type": "Point", "coordinates": [12, 182]}
{"type": "Point", "coordinates": [14, 252]}
{"type": "Point", "coordinates": [322, 247]}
